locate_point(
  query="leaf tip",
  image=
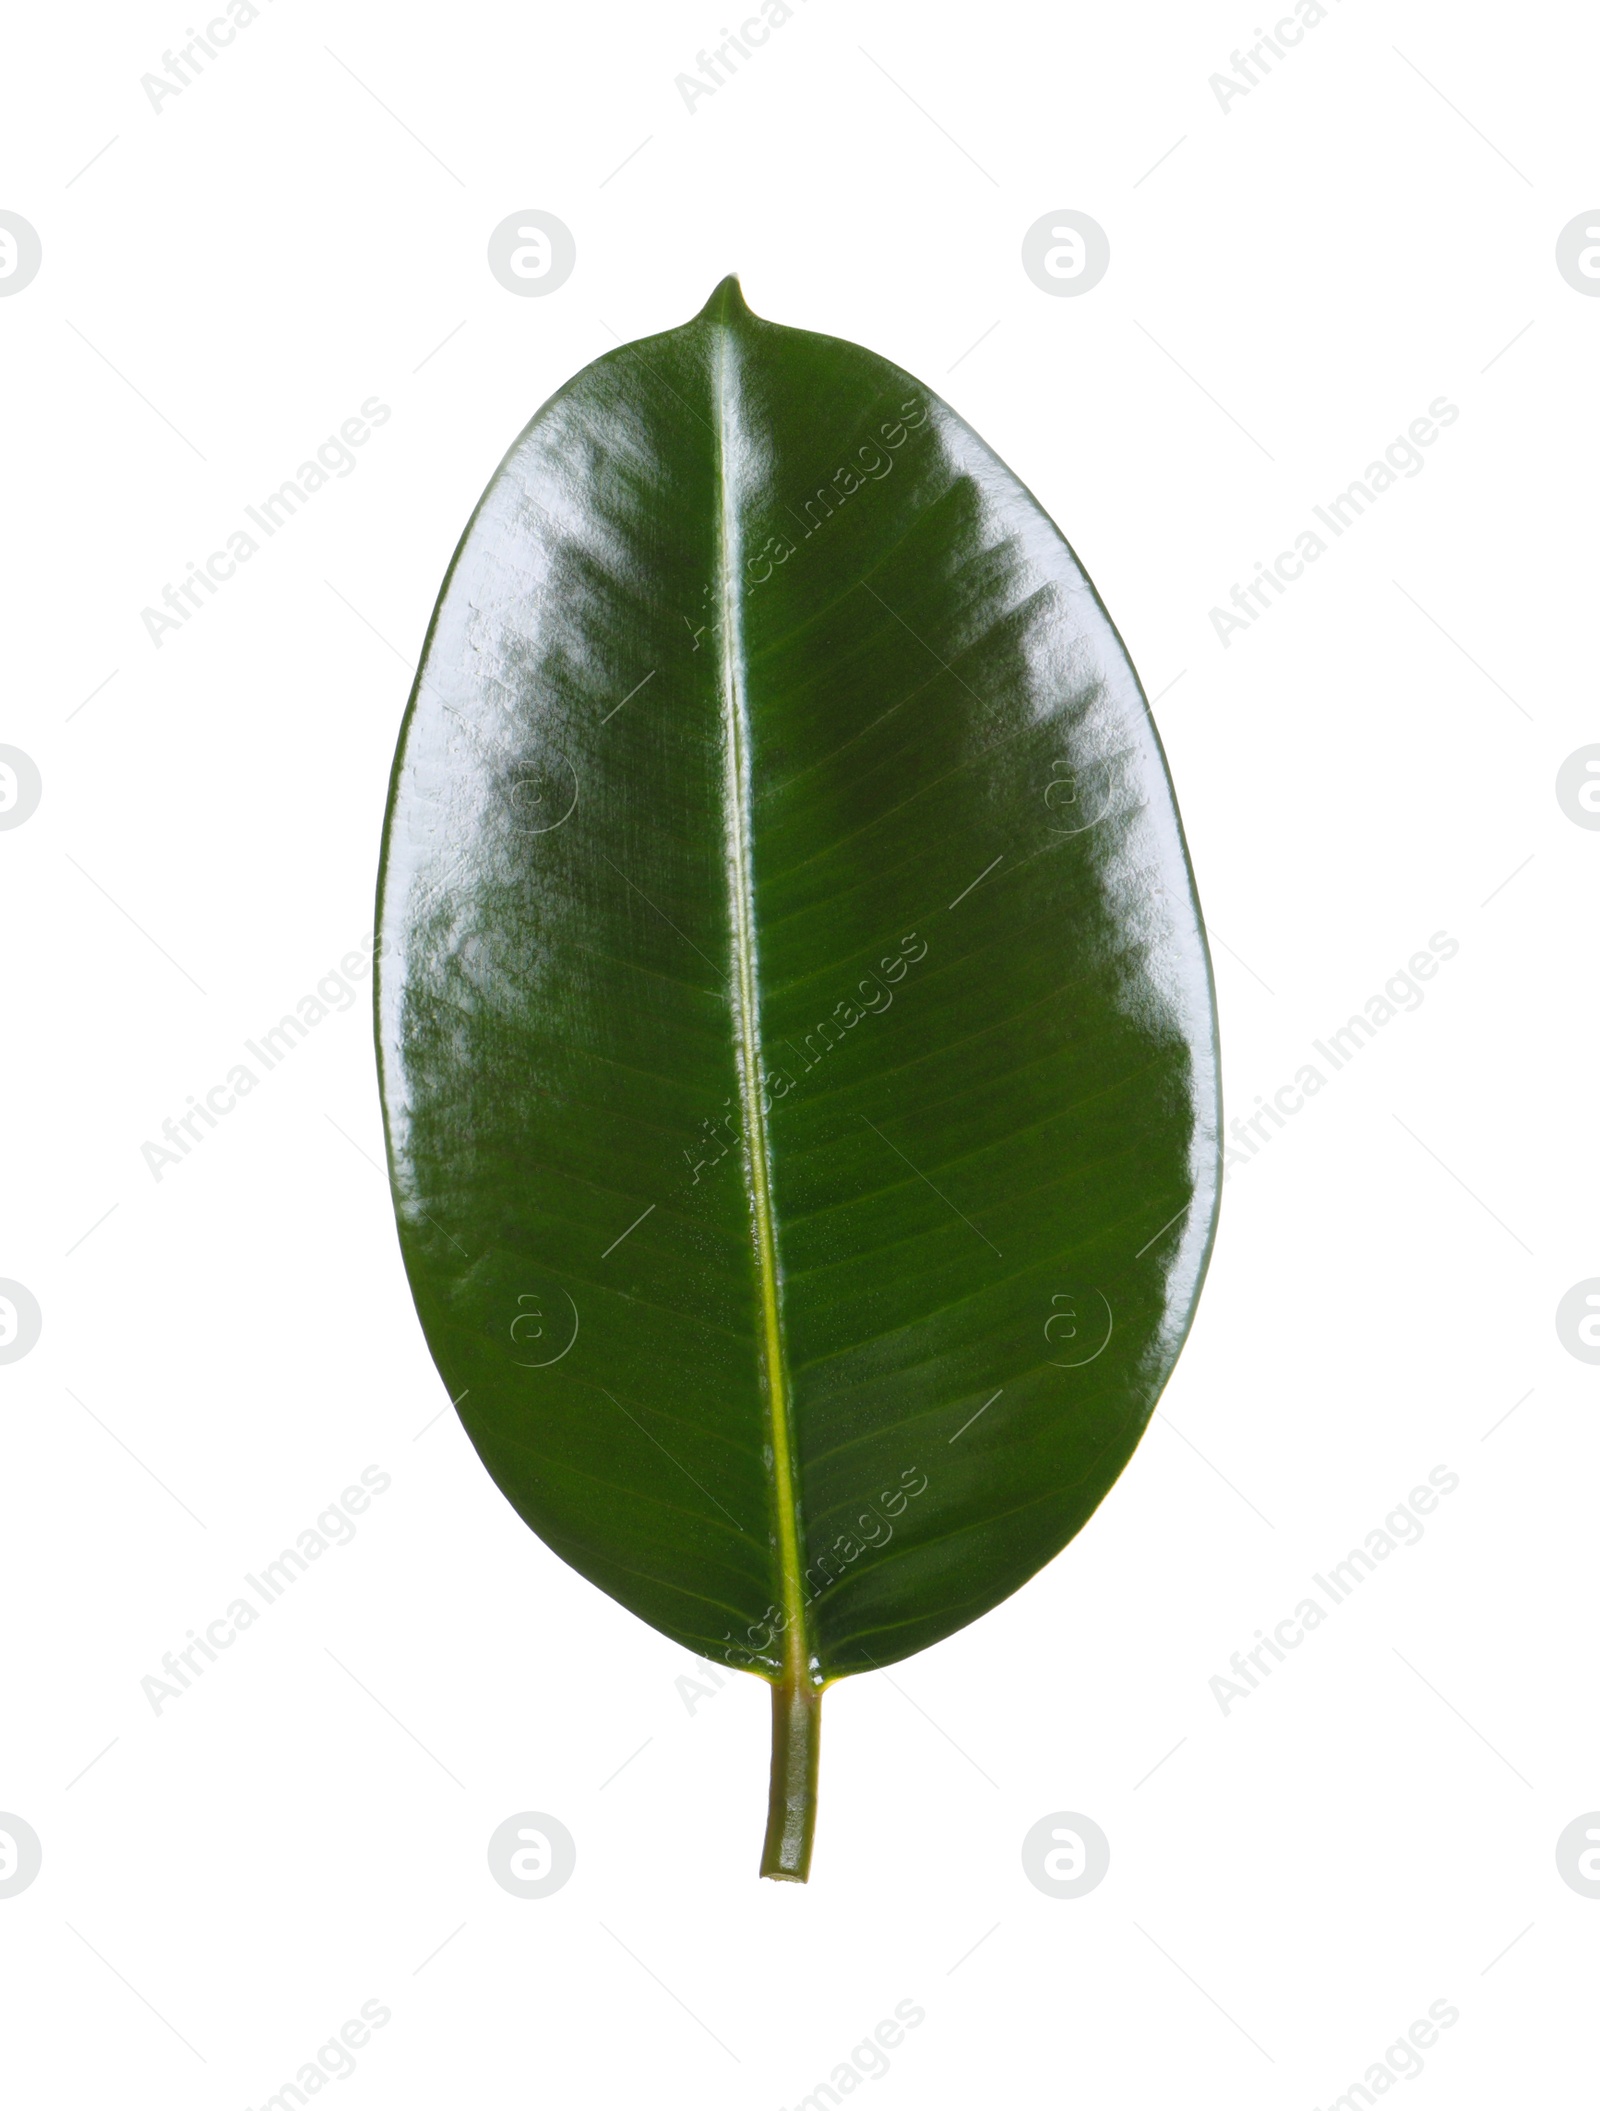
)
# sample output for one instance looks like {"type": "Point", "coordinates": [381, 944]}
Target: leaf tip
{"type": "Point", "coordinates": [727, 303]}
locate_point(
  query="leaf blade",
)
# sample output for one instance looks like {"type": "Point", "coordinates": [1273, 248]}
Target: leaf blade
{"type": "Point", "coordinates": [942, 992]}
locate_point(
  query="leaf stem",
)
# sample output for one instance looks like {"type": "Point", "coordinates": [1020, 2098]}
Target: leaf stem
{"type": "Point", "coordinates": [792, 1799]}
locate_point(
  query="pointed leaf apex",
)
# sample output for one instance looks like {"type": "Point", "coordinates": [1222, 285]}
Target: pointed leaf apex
{"type": "Point", "coordinates": [727, 303]}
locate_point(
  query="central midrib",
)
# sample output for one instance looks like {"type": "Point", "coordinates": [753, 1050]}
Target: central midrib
{"type": "Point", "coordinates": [747, 1023]}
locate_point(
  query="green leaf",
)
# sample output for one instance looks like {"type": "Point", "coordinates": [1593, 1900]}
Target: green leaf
{"type": "Point", "coordinates": [795, 1024]}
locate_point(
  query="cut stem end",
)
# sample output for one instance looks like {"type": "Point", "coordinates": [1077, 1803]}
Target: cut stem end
{"type": "Point", "coordinates": [792, 1800]}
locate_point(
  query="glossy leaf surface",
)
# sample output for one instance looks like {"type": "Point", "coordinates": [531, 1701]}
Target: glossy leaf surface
{"type": "Point", "coordinates": [795, 1024]}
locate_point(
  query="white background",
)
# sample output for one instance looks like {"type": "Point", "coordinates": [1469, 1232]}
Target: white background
{"type": "Point", "coordinates": [1370, 763]}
